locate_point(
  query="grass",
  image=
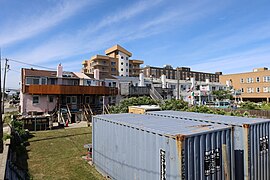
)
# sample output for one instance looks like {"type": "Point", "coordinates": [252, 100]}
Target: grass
{"type": "Point", "coordinates": [57, 154]}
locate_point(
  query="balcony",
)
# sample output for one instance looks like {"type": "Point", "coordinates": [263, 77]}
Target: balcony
{"type": "Point", "coordinates": [66, 89]}
{"type": "Point", "coordinates": [98, 63]}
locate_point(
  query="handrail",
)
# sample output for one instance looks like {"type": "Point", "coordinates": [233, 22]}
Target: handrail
{"type": "Point", "coordinates": [69, 114]}
{"type": "Point", "coordinates": [90, 109]}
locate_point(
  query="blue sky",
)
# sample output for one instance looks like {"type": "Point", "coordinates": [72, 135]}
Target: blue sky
{"type": "Point", "coordinates": [228, 36]}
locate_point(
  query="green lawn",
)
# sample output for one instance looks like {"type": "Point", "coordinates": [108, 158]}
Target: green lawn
{"type": "Point", "coordinates": [57, 154]}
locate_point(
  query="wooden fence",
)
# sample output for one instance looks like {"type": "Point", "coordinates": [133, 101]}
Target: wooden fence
{"type": "Point", "coordinates": [258, 113]}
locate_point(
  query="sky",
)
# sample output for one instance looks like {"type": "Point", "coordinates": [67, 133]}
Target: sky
{"type": "Point", "coordinates": [205, 35]}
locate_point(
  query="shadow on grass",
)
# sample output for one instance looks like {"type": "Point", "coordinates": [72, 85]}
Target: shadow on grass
{"type": "Point", "coordinates": [57, 137]}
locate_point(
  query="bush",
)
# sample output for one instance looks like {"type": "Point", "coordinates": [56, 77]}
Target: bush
{"type": "Point", "coordinates": [249, 106]}
{"type": "Point", "coordinates": [175, 105]}
{"type": "Point", "coordinates": [134, 101]}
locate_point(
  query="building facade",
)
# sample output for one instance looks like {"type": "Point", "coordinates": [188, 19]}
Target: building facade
{"type": "Point", "coordinates": [254, 86]}
{"type": "Point", "coordinates": [47, 92]}
{"type": "Point", "coordinates": [116, 62]}
{"type": "Point", "coordinates": [184, 73]}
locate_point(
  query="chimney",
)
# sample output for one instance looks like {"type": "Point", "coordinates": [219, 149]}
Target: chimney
{"type": "Point", "coordinates": [163, 80]}
{"type": "Point", "coordinates": [96, 74]}
{"type": "Point", "coordinates": [141, 79]}
{"type": "Point", "coordinates": [59, 70]}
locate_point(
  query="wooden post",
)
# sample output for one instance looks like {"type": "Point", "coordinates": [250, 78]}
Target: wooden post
{"type": "Point", "coordinates": [225, 162]}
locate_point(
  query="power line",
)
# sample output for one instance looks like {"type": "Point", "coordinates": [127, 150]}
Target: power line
{"type": "Point", "coordinates": [34, 65]}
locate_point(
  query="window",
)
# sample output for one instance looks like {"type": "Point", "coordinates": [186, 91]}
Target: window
{"type": "Point", "coordinates": [29, 80]}
{"type": "Point", "coordinates": [113, 63]}
{"type": "Point", "coordinates": [249, 80]}
{"type": "Point", "coordinates": [126, 64]}
{"type": "Point", "coordinates": [242, 90]}
{"type": "Point", "coordinates": [257, 89]}
{"type": "Point", "coordinates": [250, 90]}
{"type": "Point", "coordinates": [113, 69]}
{"type": "Point", "coordinates": [258, 79]}
{"type": "Point", "coordinates": [110, 84]}
{"type": "Point", "coordinates": [43, 81]}
{"type": "Point", "coordinates": [35, 80]}
{"type": "Point", "coordinates": [87, 99]}
{"type": "Point", "coordinates": [122, 63]}
{"type": "Point", "coordinates": [122, 57]}
{"type": "Point", "coordinates": [122, 69]}
{"type": "Point", "coordinates": [52, 81]}
{"type": "Point", "coordinates": [51, 99]}
{"type": "Point", "coordinates": [241, 80]}
{"type": "Point", "coordinates": [126, 70]}
{"type": "Point", "coordinates": [266, 89]}
{"type": "Point", "coordinates": [126, 58]}
{"type": "Point", "coordinates": [266, 79]}
{"type": "Point", "coordinates": [35, 99]}
{"type": "Point", "coordinates": [68, 99]}
{"type": "Point", "coordinates": [114, 84]}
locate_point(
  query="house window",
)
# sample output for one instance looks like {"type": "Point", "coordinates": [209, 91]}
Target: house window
{"type": "Point", "coordinates": [258, 79]}
{"type": "Point", "coordinates": [87, 99]}
{"type": "Point", "coordinates": [122, 69]}
{"type": "Point", "coordinates": [51, 99]}
{"type": "Point", "coordinates": [35, 99]}
{"type": "Point", "coordinates": [126, 58]}
{"type": "Point", "coordinates": [114, 84]}
{"type": "Point", "coordinates": [258, 90]}
{"type": "Point", "coordinates": [242, 80]}
{"type": "Point", "coordinates": [242, 90]}
{"type": "Point", "coordinates": [122, 63]}
{"type": "Point", "coordinates": [126, 70]}
{"type": "Point", "coordinates": [110, 84]}
{"type": "Point", "coordinates": [43, 81]}
{"type": "Point", "coordinates": [29, 80]}
{"type": "Point", "coordinates": [122, 57]}
{"type": "Point", "coordinates": [52, 81]}
{"type": "Point", "coordinates": [36, 81]}
{"type": "Point", "coordinates": [126, 64]}
{"type": "Point", "coordinates": [68, 99]}
{"type": "Point", "coordinates": [112, 63]}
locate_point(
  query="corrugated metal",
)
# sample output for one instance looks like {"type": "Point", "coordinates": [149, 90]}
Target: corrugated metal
{"type": "Point", "coordinates": [133, 146]}
{"type": "Point", "coordinates": [250, 140]}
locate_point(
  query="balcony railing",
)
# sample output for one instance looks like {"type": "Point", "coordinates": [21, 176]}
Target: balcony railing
{"type": "Point", "coordinates": [66, 89]}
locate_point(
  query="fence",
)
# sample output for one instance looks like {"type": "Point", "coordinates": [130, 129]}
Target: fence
{"type": "Point", "coordinates": [258, 113]}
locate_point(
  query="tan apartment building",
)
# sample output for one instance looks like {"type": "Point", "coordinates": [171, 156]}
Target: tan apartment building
{"type": "Point", "coordinates": [185, 73]}
{"type": "Point", "coordinates": [254, 86]}
{"type": "Point", "coordinates": [116, 61]}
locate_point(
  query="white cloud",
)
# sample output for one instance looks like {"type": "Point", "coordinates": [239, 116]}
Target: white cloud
{"type": "Point", "coordinates": [31, 26]}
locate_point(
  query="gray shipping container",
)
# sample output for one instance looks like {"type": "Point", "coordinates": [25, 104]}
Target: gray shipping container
{"type": "Point", "coordinates": [135, 146]}
{"type": "Point", "coordinates": [250, 138]}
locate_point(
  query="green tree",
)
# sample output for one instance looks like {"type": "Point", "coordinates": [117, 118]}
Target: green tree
{"type": "Point", "coordinates": [222, 94]}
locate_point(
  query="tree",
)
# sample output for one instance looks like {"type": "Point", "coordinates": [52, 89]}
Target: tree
{"type": "Point", "coordinates": [222, 94]}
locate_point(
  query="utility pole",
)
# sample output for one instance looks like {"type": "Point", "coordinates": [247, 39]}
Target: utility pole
{"type": "Point", "coordinates": [1, 120]}
{"type": "Point", "coordinates": [4, 85]}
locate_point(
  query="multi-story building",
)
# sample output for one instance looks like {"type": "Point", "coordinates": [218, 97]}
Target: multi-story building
{"type": "Point", "coordinates": [254, 86]}
{"type": "Point", "coordinates": [116, 62]}
{"type": "Point", "coordinates": [184, 73]}
{"type": "Point", "coordinates": [46, 92]}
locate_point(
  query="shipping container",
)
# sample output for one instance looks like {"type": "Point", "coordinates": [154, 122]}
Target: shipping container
{"type": "Point", "coordinates": [143, 108]}
{"type": "Point", "coordinates": [252, 161]}
{"type": "Point", "coordinates": [135, 146]}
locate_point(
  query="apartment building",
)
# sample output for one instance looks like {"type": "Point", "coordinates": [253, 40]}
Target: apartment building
{"type": "Point", "coordinates": [116, 62]}
{"type": "Point", "coordinates": [254, 86]}
{"type": "Point", "coordinates": [184, 73]}
{"type": "Point", "coordinates": [46, 92]}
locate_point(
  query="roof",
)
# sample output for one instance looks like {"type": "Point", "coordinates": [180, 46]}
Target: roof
{"type": "Point", "coordinates": [136, 61]}
{"type": "Point", "coordinates": [81, 75]}
{"type": "Point", "coordinates": [45, 73]}
{"type": "Point", "coordinates": [230, 120]}
{"type": "Point", "coordinates": [119, 48]}
{"type": "Point", "coordinates": [161, 125]}
{"type": "Point", "coordinates": [100, 57]}
{"type": "Point", "coordinates": [36, 72]}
